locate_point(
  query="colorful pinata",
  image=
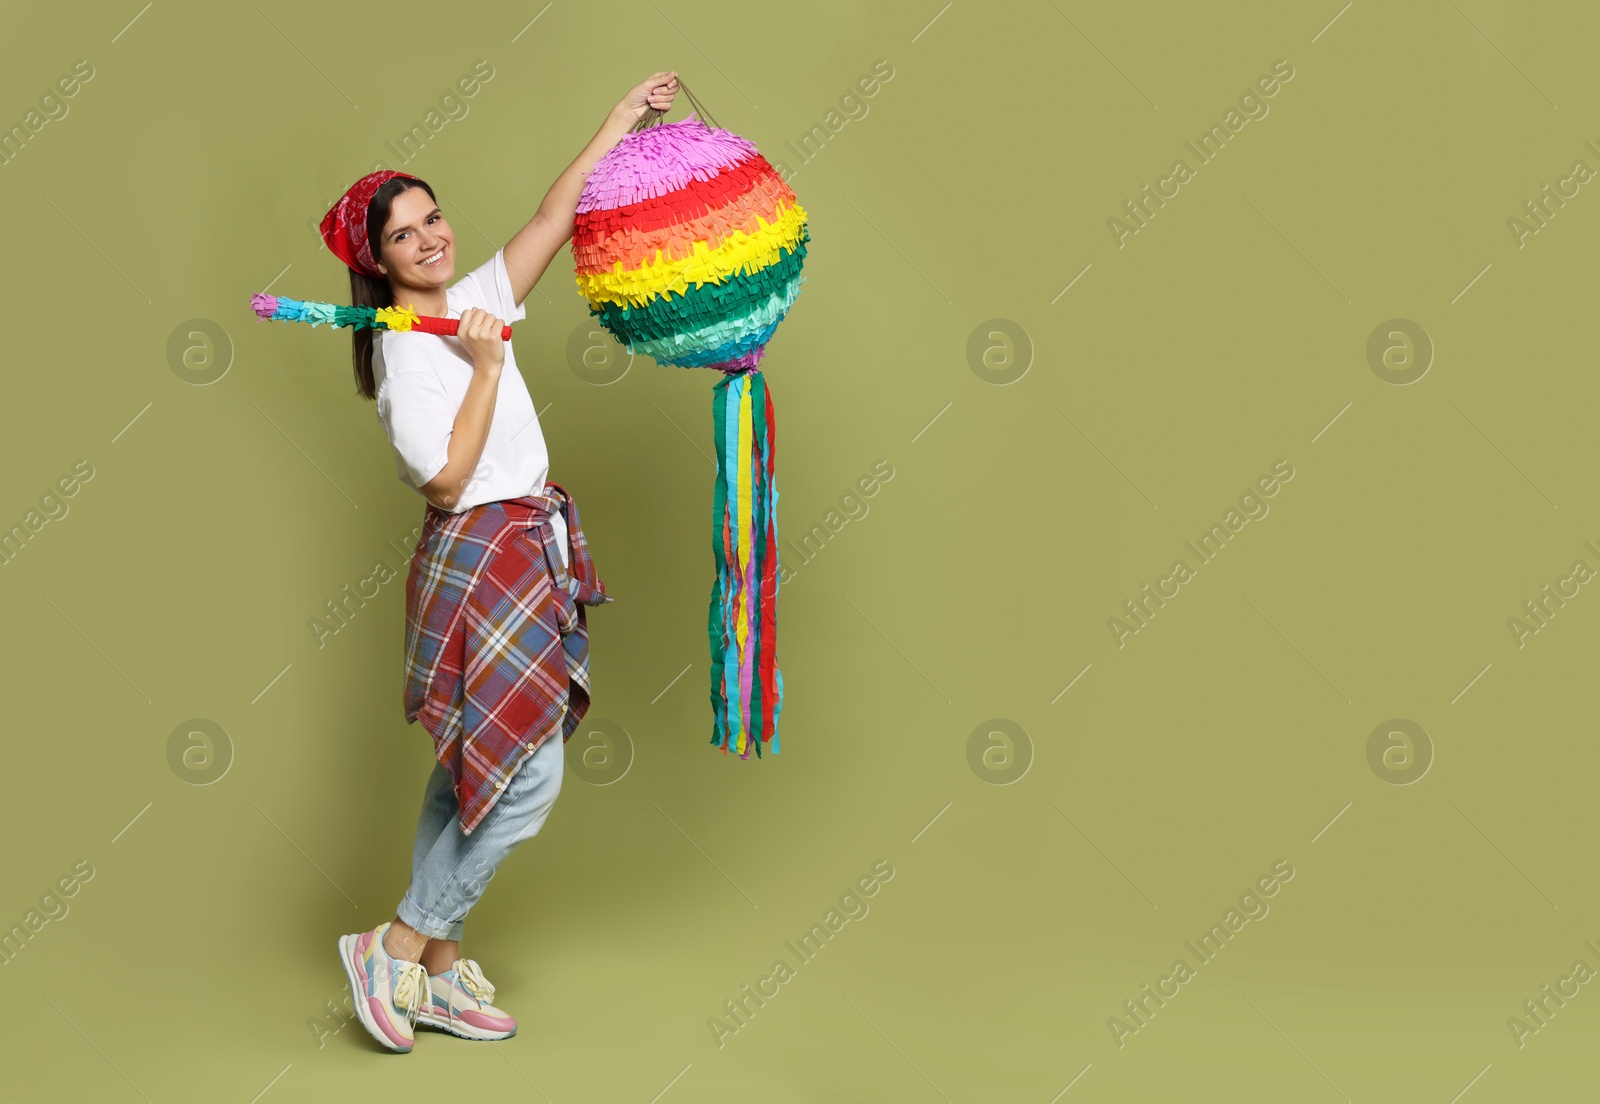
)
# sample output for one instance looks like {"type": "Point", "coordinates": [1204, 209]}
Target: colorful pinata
{"type": "Point", "coordinates": [688, 246]}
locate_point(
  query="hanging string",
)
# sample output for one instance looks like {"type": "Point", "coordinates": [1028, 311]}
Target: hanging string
{"type": "Point", "coordinates": [652, 115]}
{"type": "Point", "coordinates": [698, 106]}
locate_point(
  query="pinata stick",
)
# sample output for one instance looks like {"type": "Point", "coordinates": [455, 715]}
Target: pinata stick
{"type": "Point", "coordinates": [279, 309]}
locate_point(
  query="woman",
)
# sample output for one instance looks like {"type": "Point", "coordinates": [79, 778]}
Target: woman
{"type": "Point", "coordinates": [496, 636]}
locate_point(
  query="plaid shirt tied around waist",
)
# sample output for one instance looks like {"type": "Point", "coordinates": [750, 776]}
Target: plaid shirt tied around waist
{"type": "Point", "coordinates": [497, 643]}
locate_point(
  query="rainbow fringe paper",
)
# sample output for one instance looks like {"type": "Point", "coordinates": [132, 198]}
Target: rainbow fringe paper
{"type": "Point", "coordinates": [688, 246]}
{"type": "Point", "coordinates": [279, 309]}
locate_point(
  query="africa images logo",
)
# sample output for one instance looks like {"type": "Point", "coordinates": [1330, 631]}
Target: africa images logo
{"type": "Point", "coordinates": [852, 906]}
{"type": "Point", "coordinates": [1252, 906]}
{"type": "Point", "coordinates": [1206, 547]}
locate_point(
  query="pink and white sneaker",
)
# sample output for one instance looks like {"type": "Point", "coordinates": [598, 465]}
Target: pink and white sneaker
{"type": "Point", "coordinates": [458, 1002]}
{"type": "Point", "coordinates": [388, 991]}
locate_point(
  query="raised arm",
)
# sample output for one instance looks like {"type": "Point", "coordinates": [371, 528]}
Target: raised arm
{"type": "Point", "coordinates": [530, 251]}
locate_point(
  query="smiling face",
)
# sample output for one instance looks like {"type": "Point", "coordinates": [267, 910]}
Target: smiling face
{"type": "Point", "coordinates": [415, 235]}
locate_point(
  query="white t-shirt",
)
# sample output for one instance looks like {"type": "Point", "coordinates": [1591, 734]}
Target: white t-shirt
{"type": "Point", "coordinates": [421, 381]}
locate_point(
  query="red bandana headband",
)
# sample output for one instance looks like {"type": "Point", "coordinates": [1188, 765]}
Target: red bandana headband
{"type": "Point", "coordinates": [344, 227]}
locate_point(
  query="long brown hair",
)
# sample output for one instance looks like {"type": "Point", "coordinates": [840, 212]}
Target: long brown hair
{"type": "Point", "coordinates": [375, 291]}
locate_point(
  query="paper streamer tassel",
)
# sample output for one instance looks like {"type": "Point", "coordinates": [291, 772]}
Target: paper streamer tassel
{"type": "Point", "coordinates": [746, 685]}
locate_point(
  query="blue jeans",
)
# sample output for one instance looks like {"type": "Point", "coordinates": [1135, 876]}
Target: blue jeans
{"type": "Point", "coordinates": [449, 870]}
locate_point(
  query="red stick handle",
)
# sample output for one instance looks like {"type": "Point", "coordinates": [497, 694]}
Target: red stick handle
{"type": "Point", "coordinates": [447, 327]}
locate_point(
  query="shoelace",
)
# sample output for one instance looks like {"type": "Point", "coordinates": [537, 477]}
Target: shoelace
{"type": "Point", "coordinates": [409, 988]}
{"type": "Point", "coordinates": [473, 981]}
{"type": "Point", "coordinates": [470, 975]}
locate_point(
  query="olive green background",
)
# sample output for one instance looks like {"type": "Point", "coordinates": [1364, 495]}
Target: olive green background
{"type": "Point", "coordinates": [1244, 725]}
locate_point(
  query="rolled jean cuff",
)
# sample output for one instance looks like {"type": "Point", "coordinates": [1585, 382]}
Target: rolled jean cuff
{"type": "Point", "coordinates": [434, 927]}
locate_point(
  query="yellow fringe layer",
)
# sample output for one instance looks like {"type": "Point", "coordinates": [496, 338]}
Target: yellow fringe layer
{"type": "Point", "coordinates": [738, 252]}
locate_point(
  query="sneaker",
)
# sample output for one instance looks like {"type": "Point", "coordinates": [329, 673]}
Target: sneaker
{"type": "Point", "coordinates": [459, 1003]}
{"type": "Point", "coordinates": [388, 991]}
